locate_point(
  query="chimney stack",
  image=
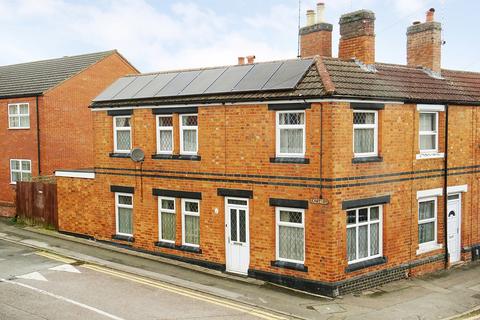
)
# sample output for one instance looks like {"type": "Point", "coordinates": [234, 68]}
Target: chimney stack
{"type": "Point", "coordinates": [250, 59]}
{"type": "Point", "coordinates": [424, 43]}
{"type": "Point", "coordinates": [357, 36]}
{"type": "Point", "coordinates": [316, 36]}
{"type": "Point", "coordinates": [241, 60]}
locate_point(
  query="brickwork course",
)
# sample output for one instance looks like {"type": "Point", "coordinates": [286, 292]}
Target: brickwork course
{"type": "Point", "coordinates": [237, 151]}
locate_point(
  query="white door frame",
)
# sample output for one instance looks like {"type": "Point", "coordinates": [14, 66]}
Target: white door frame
{"type": "Point", "coordinates": [227, 229]}
{"type": "Point", "coordinates": [459, 221]}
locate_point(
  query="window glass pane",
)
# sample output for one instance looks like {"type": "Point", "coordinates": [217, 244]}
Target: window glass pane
{"type": "Point", "coordinates": [192, 229]}
{"type": "Point", "coordinates": [16, 176]}
{"type": "Point", "coordinates": [351, 244]}
{"type": "Point", "coordinates": [191, 206]}
{"type": "Point", "coordinates": [428, 122]}
{"type": "Point", "coordinates": [426, 232]}
{"type": "Point", "coordinates": [168, 204]}
{"type": "Point", "coordinates": [165, 121]}
{"type": "Point", "coordinates": [428, 142]}
{"type": "Point", "coordinates": [189, 120]}
{"type": "Point", "coordinates": [290, 243]}
{"type": "Point", "coordinates": [26, 165]}
{"type": "Point", "coordinates": [13, 109]}
{"type": "Point", "coordinates": [362, 242]}
{"type": "Point", "coordinates": [122, 122]}
{"type": "Point", "coordinates": [363, 118]}
{"type": "Point", "coordinates": [294, 118]}
{"type": "Point", "coordinates": [15, 164]}
{"type": "Point", "coordinates": [14, 122]}
{"type": "Point", "coordinates": [351, 216]}
{"type": "Point", "coordinates": [166, 139]}
{"type": "Point", "coordinates": [233, 224]}
{"type": "Point", "coordinates": [291, 216]}
{"type": "Point", "coordinates": [426, 210]}
{"type": "Point", "coordinates": [374, 239]}
{"type": "Point", "coordinates": [238, 202]}
{"type": "Point", "coordinates": [363, 215]}
{"type": "Point", "coordinates": [26, 176]}
{"type": "Point", "coordinates": [190, 140]}
{"type": "Point", "coordinates": [125, 220]}
{"type": "Point", "coordinates": [23, 109]}
{"type": "Point", "coordinates": [125, 200]}
{"type": "Point", "coordinates": [168, 226]}
{"type": "Point", "coordinates": [364, 140]}
{"type": "Point", "coordinates": [123, 140]}
{"type": "Point", "coordinates": [243, 225]}
{"type": "Point", "coordinates": [453, 197]}
{"type": "Point", "coordinates": [24, 122]}
{"type": "Point", "coordinates": [291, 140]}
{"type": "Point", "coordinates": [374, 213]}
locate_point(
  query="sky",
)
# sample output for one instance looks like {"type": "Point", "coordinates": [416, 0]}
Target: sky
{"type": "Point", "coordinates": [157, 35]}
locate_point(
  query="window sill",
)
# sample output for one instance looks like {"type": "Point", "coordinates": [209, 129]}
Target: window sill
{"type": "Point", "coordinates": [289, 265]}
{"type": "Point", "coordinates": [365, 264]}
{"type": "Point", "coordinates": [27, 128]}
{"type": "Point", "coordinates": [429, 248]}
{"type": "Point", "coordinates": [367, 159]}
{"type": "Point", "coordinates": [290, 160]}
{"type": "Point", "coordinates": [430, 155]}
{"type": "Point", "coordinates": [169, 245]}
{"type": "Point", "coordinates": [123, 238]}
{"type": "Point", "coordinates": [176, 157]}
{"type": "Point", "coordinates": [119, 155]}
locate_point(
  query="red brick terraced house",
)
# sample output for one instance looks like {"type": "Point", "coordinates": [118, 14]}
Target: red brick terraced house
{"type": "Point", "coordinates": [45, 122]}
{"type": "Point", "coordinates": [325, 174]}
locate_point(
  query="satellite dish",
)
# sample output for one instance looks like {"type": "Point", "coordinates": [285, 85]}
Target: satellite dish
{"type": "Point", "coordinates": [137, 155]}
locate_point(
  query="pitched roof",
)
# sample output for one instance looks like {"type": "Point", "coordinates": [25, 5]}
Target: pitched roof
{"type": "Point", "coordinates": [335, 78]}
{"type": "Point", "coordinates": [33, 78]}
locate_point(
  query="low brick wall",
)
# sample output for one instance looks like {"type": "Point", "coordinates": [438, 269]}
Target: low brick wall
{"type": "Point", "coordinates": [7, 209]}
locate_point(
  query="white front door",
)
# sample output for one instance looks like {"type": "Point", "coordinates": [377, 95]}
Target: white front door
{"type": "Point", "coordinates": [453, 227]}
{"type": "Point", "coordinates": [237, 243]}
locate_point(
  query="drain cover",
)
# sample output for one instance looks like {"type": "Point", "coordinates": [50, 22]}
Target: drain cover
{"type": "Point", "coordinates": [328, 308]}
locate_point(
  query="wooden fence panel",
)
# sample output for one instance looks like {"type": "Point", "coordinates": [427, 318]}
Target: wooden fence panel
{"type": "Point", "coordinates": [37, 203]}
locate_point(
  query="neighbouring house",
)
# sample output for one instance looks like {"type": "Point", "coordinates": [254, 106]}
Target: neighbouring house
{"type": "Point", "coordinates": [325, 174]}
{"type": "Point", "coordinates": [45, 122]}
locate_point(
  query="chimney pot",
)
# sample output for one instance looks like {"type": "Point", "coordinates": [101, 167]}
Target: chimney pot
{"type": "Point", "coordinates": [415, 23]}
{"type": "Point", "coordinates": [320, 12]}
{"type": "Point", "coordinates": [241, 60]}
{"type": "Point", "coordinates": [430, 15]}
{"type": "Point", "coordinates": [250, 59]}
{"type": "Point", "coordinates": [316, 38]}
{"type": "Point", "coordinates": [310, 18]}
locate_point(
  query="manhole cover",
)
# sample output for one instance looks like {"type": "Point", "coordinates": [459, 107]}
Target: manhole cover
{"type": "Point", "coordinates": [328, 308]}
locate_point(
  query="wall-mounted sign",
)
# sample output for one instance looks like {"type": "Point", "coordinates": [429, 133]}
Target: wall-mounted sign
{"type": "Point", "coordinates": [319, 201]}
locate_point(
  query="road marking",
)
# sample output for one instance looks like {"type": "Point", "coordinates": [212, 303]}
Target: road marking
{"type": "Point", "coordinates": [65, 268]}
{"type": "Point", "coordinates": [188, 293]}
{"type": "Point", "coordinates": [53, 256]}
{"type": "Point", "coordinates": [33, 276]}
{"type": "Point", "coordinates": [103, 313]}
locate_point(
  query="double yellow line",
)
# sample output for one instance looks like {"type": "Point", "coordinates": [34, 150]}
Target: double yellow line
{"type": "Point", "coordinates": [56, 257]}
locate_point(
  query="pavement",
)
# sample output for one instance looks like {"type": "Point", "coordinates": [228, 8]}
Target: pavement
{"type": "Point", "coordinates": [115, 283]}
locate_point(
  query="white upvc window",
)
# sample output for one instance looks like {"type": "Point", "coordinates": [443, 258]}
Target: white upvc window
{"type": "Point", "coordinates": [428, 132]}
{"type": "Point", "coordinates": [188, 134]}
{"type": "Point", "coordinates": [166, 219]}
{"type": "Point", "coordinates": [427, 223]}
{"type": "Point", "coordinates": [365, 133]}
{"type": "Point", "coordinates": [20, 170]}
{"type": "Point", "coordinates": [165, 134]}
{"type": "Point", "coordinates": [122, 134]}
{"type": "Point", "coordinates": [364, 233]}
{"type": "Point", "coordinates": [290, 134]}
{"type": "Point", "coordinates": [191, 222]}
{"type": "Point", "coordinates": [290, 234]}
{"type": "Point", "coordinates": [124, 214]}
{"type": "Point", "coordinates": [19, 116]}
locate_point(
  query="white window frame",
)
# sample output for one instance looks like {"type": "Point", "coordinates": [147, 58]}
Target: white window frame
{"type": "Point", "coordinates": [189, 213]}
{"type": "Point", "coordinates": [358, 224]}
{"type": "Point", "coordinates": [279, 223]}
{"type": "Point", "coordinates": [160, 210]}
{"type": "Point", "coordinates": [18, 115]}
{"type": "Point", "coordinates": [115, 129]}
{"type": "Point", "coordinates": [117, 206]}
{"type": "Point", "coordinates": [428, 133]}
{"type": "Point", "coordinates": [184, 127]}
{"type": "Point", "coordinates": [289, 126]}
{"type": "Point", "coordinates": [373, 126]}
{"type": "Point", "coordinates": [431, 245]}
{"type": "Point", "coordinates": [162, 128]}
{"type": "Point", "coordinates": [21, 171]}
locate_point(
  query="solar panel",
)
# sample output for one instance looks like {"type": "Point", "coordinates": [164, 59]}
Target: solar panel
{"type": "Point", "coordinates": [203, 81]}
{"type": "Point", "coordinates": [288, 75]}
{"type": "Point", "coordinates": [229, 79]}
{"type": "Point", "coordinates": [155, 85]}
{"type": "Point", "coordinates": [177, 84]}
{"type": "Point", "coordinates": [114, 89]}
{"type": "Point", "coordinates": [131, 89]}
{"type": "Point", "coordinates": [256, 78]}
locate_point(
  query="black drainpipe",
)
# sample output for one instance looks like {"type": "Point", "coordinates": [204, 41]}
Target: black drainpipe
{"type": "Point", "coordinates": [38, 137]}
{"type": "Point", "coordinates": [445, 191]}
